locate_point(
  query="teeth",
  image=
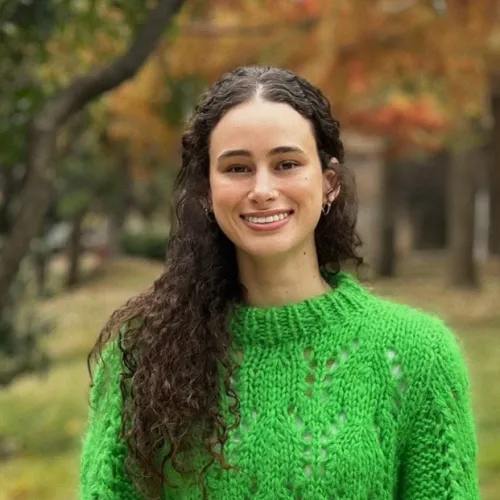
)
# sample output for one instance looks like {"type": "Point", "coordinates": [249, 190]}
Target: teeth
{"type": "Point", "coordinates": [266, 220]}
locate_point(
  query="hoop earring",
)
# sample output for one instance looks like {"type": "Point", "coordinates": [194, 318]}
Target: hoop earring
{"type": "Point", "coordinates": [325, 209]}
{"type": "Point", "coordinates": [210, 215]}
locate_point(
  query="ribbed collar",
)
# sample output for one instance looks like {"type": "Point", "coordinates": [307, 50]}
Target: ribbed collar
{"type": "Point", "coordinates": [272, 326]}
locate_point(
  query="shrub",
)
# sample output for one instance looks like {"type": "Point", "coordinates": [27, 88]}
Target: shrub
{"type": "Point", "coordinates": [147, 245]}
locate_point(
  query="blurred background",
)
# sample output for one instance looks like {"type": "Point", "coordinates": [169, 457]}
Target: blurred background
{"type": "Point", "coordinates": [93, 98]}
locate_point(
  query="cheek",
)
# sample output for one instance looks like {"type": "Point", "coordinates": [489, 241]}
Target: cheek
{"type": "Point", "coordinates": [225, 195]}
{"type": "Point", "coordinates": [307, 188]}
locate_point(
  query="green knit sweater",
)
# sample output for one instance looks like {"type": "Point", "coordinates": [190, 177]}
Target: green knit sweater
{"type": "Point", "coordinates": [343, 396]}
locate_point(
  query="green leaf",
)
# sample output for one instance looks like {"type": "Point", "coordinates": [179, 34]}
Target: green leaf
{"type": "Point", "coordinates": [69, 206]}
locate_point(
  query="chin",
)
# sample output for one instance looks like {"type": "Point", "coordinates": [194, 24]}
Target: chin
{"type": "Point", "coordinates": [266, 250]}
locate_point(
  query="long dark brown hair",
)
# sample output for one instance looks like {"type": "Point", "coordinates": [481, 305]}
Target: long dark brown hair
{"type": "Point", "coordinates": [174, 338]}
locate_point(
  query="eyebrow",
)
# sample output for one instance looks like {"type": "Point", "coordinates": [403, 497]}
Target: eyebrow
{"type": "Point", "coordinates": [275, 151]}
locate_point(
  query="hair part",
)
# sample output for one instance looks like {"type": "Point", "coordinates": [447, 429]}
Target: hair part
{"type": "Point", "coordinates": [178, 352]}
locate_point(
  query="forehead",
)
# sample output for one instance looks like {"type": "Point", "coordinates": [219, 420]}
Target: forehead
{"type": "Point", "coordinates": [261, 125]}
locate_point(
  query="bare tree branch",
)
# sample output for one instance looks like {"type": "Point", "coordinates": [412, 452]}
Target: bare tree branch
{"type": "Point", "coordinates": [42, 135]}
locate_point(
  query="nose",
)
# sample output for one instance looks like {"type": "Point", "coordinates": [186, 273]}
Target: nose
{"type": "Point", "coordinates": [263, 189]}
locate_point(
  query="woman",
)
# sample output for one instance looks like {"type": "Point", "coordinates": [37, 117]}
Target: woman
{"type": "Point", "coordinates": [254, 367]}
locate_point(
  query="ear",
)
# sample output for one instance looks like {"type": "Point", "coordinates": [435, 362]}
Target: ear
{"type": "Point", "coordinates": [331, 186]}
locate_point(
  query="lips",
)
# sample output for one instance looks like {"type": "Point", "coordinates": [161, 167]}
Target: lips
{"type": "Point", "coordinates": [267, 219]}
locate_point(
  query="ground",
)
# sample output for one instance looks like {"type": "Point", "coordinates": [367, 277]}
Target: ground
{"type": "Point", "coordinates": [42, 417]}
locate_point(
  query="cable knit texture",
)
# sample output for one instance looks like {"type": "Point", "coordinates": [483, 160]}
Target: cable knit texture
{"type": "Point", "coordinates": [343, 396]}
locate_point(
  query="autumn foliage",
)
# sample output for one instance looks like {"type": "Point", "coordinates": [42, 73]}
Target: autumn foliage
{"type": "Point", "coordinates": [410, 75]}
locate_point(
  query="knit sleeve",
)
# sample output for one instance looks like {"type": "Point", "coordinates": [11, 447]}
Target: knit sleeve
{"type": "Point", "coordinates": [102, 469]}
{"type": "Point", "coordinates": [440, 457]}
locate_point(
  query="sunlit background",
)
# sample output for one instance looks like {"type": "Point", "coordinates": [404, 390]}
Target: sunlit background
{"type": "Point", "coordinates": [85, 195]}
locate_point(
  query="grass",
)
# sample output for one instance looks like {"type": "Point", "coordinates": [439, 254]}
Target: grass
{"type": "Point", "coordinates": [43, 416]}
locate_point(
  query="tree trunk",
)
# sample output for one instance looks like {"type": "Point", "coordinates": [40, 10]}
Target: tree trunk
{"type": "Point", "coordinates": [494, 209]}
{"type": "Point", "coordinates": [40, 267]}
{"type": "Point", "coordinates": [116, 223]}
{"type": "Point", "coordinates": [7, 196]}
{"type": "Point", "coordinates": [429, 226]}
{"type": "Point", "coordinates": [386, 262]}
{"type": "Point", "coordinates": [75, 250]}
{"type": "Point", "coordinates": [462, 193]}
{"type": "Point", "coordinates": [46, 124]}
{"type": "Point", "coordinates": [425, 193]}
{"type": "Point", "coordinates": [12, 186]}
{"type": "Point", "coordinates": [494, 175]}
{"type": "Point", "coordinates": [121, 200]}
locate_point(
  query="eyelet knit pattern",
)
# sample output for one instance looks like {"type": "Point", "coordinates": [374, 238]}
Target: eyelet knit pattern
{"type": "Point", "coordinates": [342, 396]}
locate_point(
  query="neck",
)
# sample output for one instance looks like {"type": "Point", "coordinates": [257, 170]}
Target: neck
{"type": "Point", "coordinates": [280, 281]}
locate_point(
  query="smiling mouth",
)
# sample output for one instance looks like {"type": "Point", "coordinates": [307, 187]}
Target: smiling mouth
{"type": "Point", "coordinates": [269, 219]}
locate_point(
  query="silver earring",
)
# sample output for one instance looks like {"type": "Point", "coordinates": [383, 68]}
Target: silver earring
{"type": "Point", "coordinates": [325, 209]}
{"type": "Point", "coordinates": [210, 215]}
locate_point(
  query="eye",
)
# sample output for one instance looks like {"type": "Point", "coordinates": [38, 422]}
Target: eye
{"type": "Point", "coordinates": [237, 169]}
{"type": "Point", "coordinates": [287, 165]}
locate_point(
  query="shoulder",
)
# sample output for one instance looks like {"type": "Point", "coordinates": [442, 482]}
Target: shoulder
{"type": "Point", "coordinates": [108, 364]}
{"type": "Point", "coordinates": [112, 349]}
{"type": "Point", "coordinates": [421, 341]}
{"type": "Point", "coordinates": [424, 353]}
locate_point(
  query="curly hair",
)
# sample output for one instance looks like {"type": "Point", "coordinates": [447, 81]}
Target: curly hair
{"type": "Point", "coordinates": [174, 337]}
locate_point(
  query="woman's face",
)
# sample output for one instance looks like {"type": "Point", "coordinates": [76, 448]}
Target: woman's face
{"type": "Point", "coordinates": [266, 182]}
